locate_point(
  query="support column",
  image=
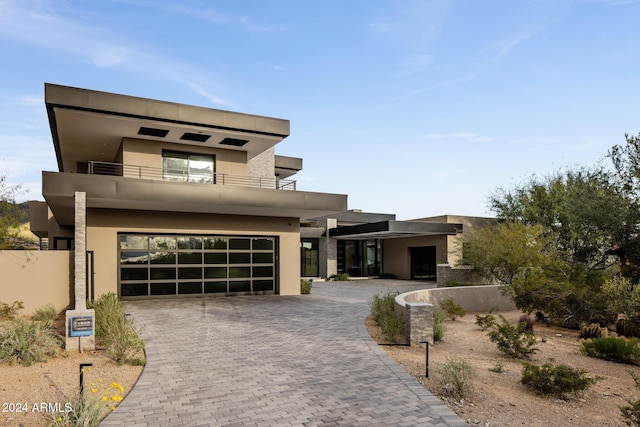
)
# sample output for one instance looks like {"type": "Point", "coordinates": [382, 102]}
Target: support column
{"type": "Point", "coordinates": [331, 249]}
{"type": "Point", "coordinates": [80, 322]}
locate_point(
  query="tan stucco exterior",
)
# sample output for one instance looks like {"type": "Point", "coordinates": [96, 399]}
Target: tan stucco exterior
{"type": "Point", "coordinates": [397, 256]}
{"type": "Point", "coordinates": [105, 224]}
{"type": "Point", "coordinates": [36, 278]}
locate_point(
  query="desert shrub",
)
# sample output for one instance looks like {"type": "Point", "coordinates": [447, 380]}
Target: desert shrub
{"type": "Point", "coordinates": [27, 342]}
{"type": "Point", "coordinates": [341, 277]}
{"type": "Point", "coordinates": [455, 376]}
{"type": "Point", "coordinates": [10, 312]}
{"type": "Point", "coordinates": [513, 340]}
{"type": "Point", "coordinates": [438, 324]}
{"type": "Point", "coordinates": [555, 379]}
{"type": "Point", "coordinates": [485, 321]}
{"type": "Point", "coordinates": [45, 314]}
{"type": "Point", "coordinates": [89, 408]}
{"type": "Point", "coordinates": [114, 330]}
{"type": "Point", "coordinates": [498, 368]}
{"type": "Point", "coordinates": [615, 349]}
{"type": "Point", "coordinates": [384, 313]}
{"type": "Point", "coordinates": [305, 286]}
{"type": "Point", "coordinates": [636, 378]}
{"type": "Point", "coordinates": [631, 413]}
{"type": "Point", "coordinates": [452, 309]}
{"type": "Point", "coordinates": [592, 330]}
{"type": "Point", "coordinates": [627, 327]}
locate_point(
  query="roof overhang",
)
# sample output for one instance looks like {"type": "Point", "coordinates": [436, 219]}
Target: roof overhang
{"type": "Point", "coordinates": [89, 125]}
{"type": "Point", "coordinates": [114, 192]}
{"type": "Point", "coordinates": [394, 229]}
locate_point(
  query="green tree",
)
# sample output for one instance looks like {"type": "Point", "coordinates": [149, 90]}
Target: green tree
{"type": "Point", "coordinates": [11, 215]}
{"type": "Point", "coordinates": [585, 211]}
{"type": "Point", "coordinates": [501, 251]}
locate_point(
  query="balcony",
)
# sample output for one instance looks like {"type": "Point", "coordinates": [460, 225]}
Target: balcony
{"type": "Point", "coordinates": [147, 172]}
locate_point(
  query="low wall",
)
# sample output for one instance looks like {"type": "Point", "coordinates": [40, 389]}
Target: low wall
{"type": "Point", "coordinates": [446, 273]}
{"type": "Point", "coordinates": [36, 278]}
{"type": "Point", "coordinates": [416, 308]}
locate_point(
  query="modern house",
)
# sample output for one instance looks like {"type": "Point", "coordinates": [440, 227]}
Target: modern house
{"type": "Point", "coordinates": [181, 200]}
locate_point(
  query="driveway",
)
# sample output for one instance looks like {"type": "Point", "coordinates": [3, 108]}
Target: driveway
{"type": "Point", "coordinates": [273, 361]}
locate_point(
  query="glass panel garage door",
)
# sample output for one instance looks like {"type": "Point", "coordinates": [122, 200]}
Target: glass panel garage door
{"type": "Point", "coordinates": [157, 264]}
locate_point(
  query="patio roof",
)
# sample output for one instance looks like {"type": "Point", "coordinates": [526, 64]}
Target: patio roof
{"type": "Point", "coordinates": [394, 229]}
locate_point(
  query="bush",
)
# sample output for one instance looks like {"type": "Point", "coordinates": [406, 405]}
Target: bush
{"type": "Point", "coordinates": [114, 330]}
{"type": "Point", "coordinates": [615, 349]}
{"type": "Point", "coordinates": [10, 312]}
{"type": "Point", "coordinates": [455, 376]}
{"type": "Point", "coordinates": [485, 322]}
{"type": "Point", "coordinates": [341, 277]}
{"type": "Point", "coordinates": [45, 314]}
{"type": "Point", "coordinates": [514, 341]}
{"type": "Point", "coordinates": [631, 412]}
{"type": "Point", "coordinates": [438, 324]}
{"type": "Point", "coordinates": [305, 286]}
{"type": "Point", "coordinates": [452, 309]}
{"type": "Point", "coordinates": [384, 313]}
{"type": "Point", "coordinates": [555, 380]}
{"type": "Point", "coordinates": [27, 342]}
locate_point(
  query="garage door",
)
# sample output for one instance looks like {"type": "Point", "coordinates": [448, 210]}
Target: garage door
{"type": "Point", "coordinates": [162, 264]}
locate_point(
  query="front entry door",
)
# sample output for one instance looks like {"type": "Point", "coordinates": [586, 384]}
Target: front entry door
{"type": "Point", "coordinates": [423, 263]}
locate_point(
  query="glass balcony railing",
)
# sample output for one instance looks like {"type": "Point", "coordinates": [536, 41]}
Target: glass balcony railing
{"type": "Point", "coordinates": [181, 175]}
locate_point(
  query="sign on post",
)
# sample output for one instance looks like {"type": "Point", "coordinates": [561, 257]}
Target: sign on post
{"type": "Point", "coordinates": [81, 326]}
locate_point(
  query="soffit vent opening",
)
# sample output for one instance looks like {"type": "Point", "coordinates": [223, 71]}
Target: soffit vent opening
{"type": "Point", "coordinates": [160, 133]}
{"type": "Point", "coordinates": [197, 137]}
{"type": "Point", "coordinates": [234, 142]}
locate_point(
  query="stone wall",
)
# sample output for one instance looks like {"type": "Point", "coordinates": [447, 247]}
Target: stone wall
{"type": "Point", "coordinates": [445, 273]}
{"type": "Point", "coordinates": [416, 308]}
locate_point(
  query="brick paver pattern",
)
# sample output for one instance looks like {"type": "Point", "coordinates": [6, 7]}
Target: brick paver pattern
{"type": "Point", "coordinates": [272, 361]}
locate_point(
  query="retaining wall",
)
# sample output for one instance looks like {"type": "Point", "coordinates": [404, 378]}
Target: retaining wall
{"type": "Point", "coordinates": [416, 308]}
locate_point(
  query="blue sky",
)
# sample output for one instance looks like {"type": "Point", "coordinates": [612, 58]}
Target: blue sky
{"type": "Point", "coordinates": [417, 108]}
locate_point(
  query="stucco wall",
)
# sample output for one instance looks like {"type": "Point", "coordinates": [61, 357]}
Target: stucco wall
{"type": "Point", "coordinates": [141, 153]}
{"type": "Point", "coordinates": [396, 253]}
{"type": "Point", "coordinates": [36, 278]}
{"type": "Point", "coordinates": [416, 308]}
{"type": "Point", "coordinates": [105, 224]}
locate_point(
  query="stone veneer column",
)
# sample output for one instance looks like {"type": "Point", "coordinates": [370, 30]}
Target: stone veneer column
{"type": "Point", "coordinates": [80, 280]}
{"type": "Point", "coordinates": [331, 249]}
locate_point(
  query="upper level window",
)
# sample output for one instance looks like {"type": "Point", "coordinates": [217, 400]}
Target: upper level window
{"type": "Point", "coordinates": [186, 167]}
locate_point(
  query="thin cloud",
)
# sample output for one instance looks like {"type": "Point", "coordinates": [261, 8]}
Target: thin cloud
{"type": "Point", "coordinates": [34, 24]}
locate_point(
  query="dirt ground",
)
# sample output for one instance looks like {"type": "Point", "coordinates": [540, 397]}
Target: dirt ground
{"type": "Point", "coordinates": [29, 396]}
{"type": "Point", "coordinates": [498, 399]}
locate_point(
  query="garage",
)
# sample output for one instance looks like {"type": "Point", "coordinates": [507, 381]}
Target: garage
{"type": "Point", "coordinates": [153, 265]}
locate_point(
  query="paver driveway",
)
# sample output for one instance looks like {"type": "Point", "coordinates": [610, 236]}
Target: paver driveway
{"type": "Point", "coordinates": [272, 361]}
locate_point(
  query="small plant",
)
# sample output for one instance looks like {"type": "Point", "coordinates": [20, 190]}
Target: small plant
{"type": "Point", "coordinates": [616, 349]}
{"type": "Point", "coordinates": [27, 342]}
{"type": "Point", "coordinates": [383, 310]}
{"type": "Point", "coordinates": [452, 309]}
{"type": "Point", "coordinates": [485, 322]}
{"type": "Point", "coordinates": [513, 340]}
{"type": "Point", "coordinates": [527, 321]}
{"type": "Point", "coordinates": [89, 408]}
{"type": "Point", "coordinates": [341, 277]}
{"type": "Point", "coordinates": [45, 315]}
{"type": "Point", "coordinates": [627, 328]}
{"type": "Point", "coordinates": [631, 413]}
{"type": "Point", "coordinates": [438, 324]}
{"type": "Point", "coordinates": [305, 286]}
{"type": "Point", "coordinates": [455, 376]}
{"type": "Point", "coordinates": [636, 378]}
{"type": "Point", "coordinates": [555, 380]}
{"type": "Point", "coordinates": [498, 368]}
{"type": "Point", "coordinates": [10, 312]}
{"type": "Point", "coordinates": [591, 330]}
{"type": "Point", "coordinates": [114, 330]}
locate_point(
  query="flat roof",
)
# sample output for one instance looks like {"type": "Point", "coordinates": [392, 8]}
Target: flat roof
{"type": "Point", "coordinates": [394, 229]}
{"type": "Point", "coordinates": [88, 125]}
